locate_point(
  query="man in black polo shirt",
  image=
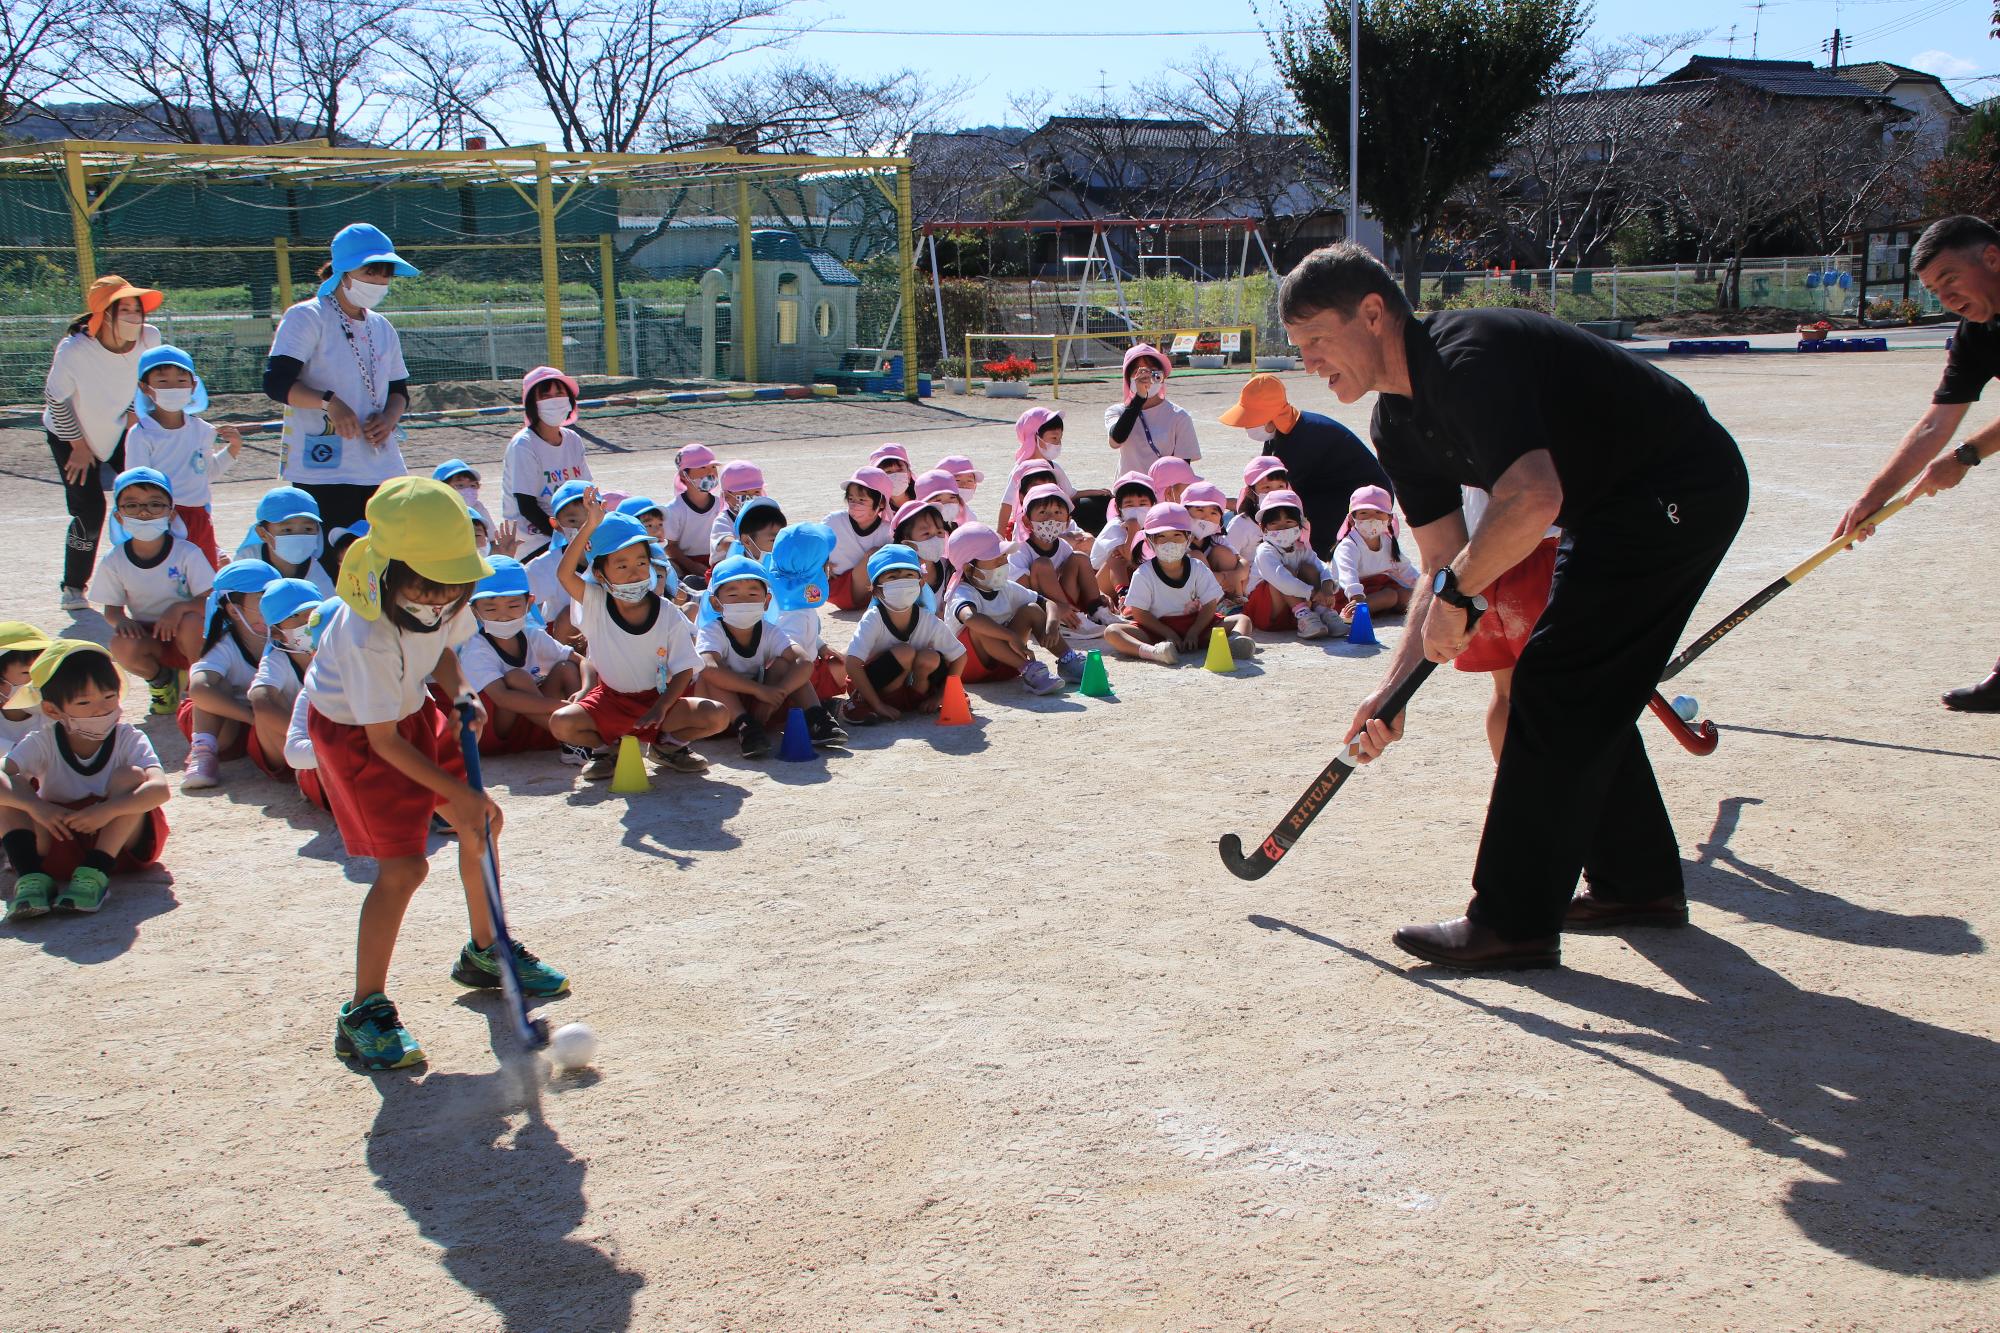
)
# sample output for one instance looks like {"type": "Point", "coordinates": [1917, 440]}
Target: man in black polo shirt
{"type": "Point", "coordinates": [1324, 460]}
{"type": "Point", "coordinates": [1959, 259]}
{"type": "Point", "coordinates": [1558, 426]}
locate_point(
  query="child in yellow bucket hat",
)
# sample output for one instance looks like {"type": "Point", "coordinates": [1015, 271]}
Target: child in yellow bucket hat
{"type": "Point", "coordinates": [388, 754]}
{"type": "Point", "coordinates": [20, 644]}
{"type": "Point", "coordinates": [83, 795]}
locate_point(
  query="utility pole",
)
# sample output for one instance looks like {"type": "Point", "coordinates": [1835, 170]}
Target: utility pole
{"type": "Point", "coordinates": [1834, 46]}
{"type": "Point", "coordinates": [1732, 41]}
{"type": "Point", "coordinates": [1353, 119]}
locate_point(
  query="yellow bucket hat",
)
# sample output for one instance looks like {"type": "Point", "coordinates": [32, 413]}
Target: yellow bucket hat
{"type": "Point", "coordinates": [424, 524]}
{"type": "Point", "coordinates": [54, 655]}
{"type": "Point", "coordinates": [18, 636]}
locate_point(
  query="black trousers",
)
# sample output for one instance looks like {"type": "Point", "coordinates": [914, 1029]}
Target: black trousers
{"type": "Point", "coordinates": [340, 506]}
{"type": "Point", "coordinates": [85, 502]}
{"type": "Point", "coordinates": [1574, 790]}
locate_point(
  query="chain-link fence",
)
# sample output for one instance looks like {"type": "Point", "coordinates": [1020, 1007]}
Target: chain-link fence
{"type": "Point", "coordinates": [1814, 286]}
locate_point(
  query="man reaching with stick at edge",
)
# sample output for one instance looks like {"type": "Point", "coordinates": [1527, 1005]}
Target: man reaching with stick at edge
{"type": "Point", "coordinates": [1558, 426]}
{"type": "Point", "coordinates": [1959, 260]}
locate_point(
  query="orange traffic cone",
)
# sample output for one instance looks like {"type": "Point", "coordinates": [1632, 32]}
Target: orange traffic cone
{"type": "Point", "coordinates": [955, 710]}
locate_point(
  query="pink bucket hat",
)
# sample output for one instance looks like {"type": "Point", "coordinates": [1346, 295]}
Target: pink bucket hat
{"type": "Point", "coordinates": [1205, 493]}
{"type": "Point", "coordinates": [895, 451]}
{"type": "Point", "coordinates": [1028, 430]}
{"type": "Point", "coordinates": [1171, 471]}
{"type": "Point", "coordinates": [937, 482]}
{"type": "Point", "coordinates": [959, 466]}
{"type": "Point", "coordinates": [1281, 500]}
{"type": "Point", "coordinates": [1132, 479]}
{"type": "Point", "coordinates": [741, 475]}
{"type": "Point", "coordinates": [875, 479]}
{"type": "Point", "coordinates": [1162, 518]}
{"type": "Point", "coordinates": [1023, 470]}
{"type": "Point", "coordinates": [1255, 471]}
{"type": "Point", "coordinates": [542, 375]}
{"type": "Point", "coordinates": [915, 507]}
{"type": "Point", "coordinates": [1046, 491]}
{"type": "Point", "coordinates": [974, 541]}
{"type": "Point", "coordinates": [691, 456]}
{"type": "Point", "coordinates": [1137, 350]}
{"type": "Point", "coordinates": [1369, 497]}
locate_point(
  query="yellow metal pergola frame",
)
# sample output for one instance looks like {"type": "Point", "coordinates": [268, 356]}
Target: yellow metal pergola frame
{"type": "Point", "coordinates": [545, 179]}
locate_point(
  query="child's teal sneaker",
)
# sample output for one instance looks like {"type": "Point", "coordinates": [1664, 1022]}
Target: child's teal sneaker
{"type": "Point", "coordinates": [476, 968]}
{"type": "Point", "coordinates": [85, 892]}
{"type": "Point", "coordinates": [31, 896]}
{"type": "Point", "coordinates": [372, 1035]}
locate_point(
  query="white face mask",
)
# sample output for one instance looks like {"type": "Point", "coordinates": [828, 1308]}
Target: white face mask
{"type": "Point", "coordinates": [292, 640]}
{"type": "Point", "coordinates": [296, 548]}
{"type": "Point", "coordinates": [91, 730]}
{"type": "Point", "coordinates": [1282, 538]}
{"type": "Point", "coordinates": [1049, 529]}
{"type": "Point", "coordinates": [7, 689]}
{"type": "Point", "coordinates": [367, 295]}
{"type": "Point", "coordinates": [1170, 553]}
{"type": "Point", "coordinates": [1051, 452]}
{"type": "Point", "coordinates": [967, 487]}
{"type": "Point", "coordinates": [1260, 434]}
{"type": "Point", "coordinates": [899, 484]}
{"type": "Point", "coordinates": [552, 411]}
{"type": "Point", "coordinates": [503, 629]}
{"type": "Point", "coordinates": [902, 594]}
{"type": "Point", "coordinates": [1372, 528]}
{"type": "Point", "coordinates": [172, 400]}
{"type": "Point", "coordinates": [930, 548]}
{"type": "Point", "coordinates": [951, 510]}
{"type": "Point", "coordinates": [430, 617]}
{"type": "Point", "coordinates": [994, 579]}
{"type": "Point", "coordinates": [741, 615]}
{"type": "Point", "coordinates": [1205, 528]}
{"type": "Point", "coordinates": [634, 591]}
{"type": "Point", "coordinates": [1133, 513]}
{"type": "Point", "coordinates": [129, 327]}
{"type": "Point", "coordinates": [481, 545]}
{"type": "Point", "coordinates": [146, 529]}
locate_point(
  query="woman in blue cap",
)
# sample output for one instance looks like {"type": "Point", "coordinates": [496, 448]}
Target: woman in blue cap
{"type": "Point", "coordinates": [339, 366]}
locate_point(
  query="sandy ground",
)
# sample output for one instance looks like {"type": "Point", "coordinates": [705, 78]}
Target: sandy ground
{"type": "Point", "coordinates": [969, 1028]}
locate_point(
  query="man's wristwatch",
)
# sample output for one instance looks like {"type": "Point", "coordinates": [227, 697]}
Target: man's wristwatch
{"type": "Point", "coordinates": [1445, 588]}
{"type": "Point", "coordinates": [1967, 455]}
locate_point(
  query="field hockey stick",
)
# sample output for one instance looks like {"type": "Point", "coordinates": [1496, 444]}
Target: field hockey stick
{"type": "Point", "coordinates": [1695, 740]}
{"type": "Point", "coordinates": [1763, 598]}
{"type": "Point", "coordinates": [533, 1032]}
{"type": "Point", "coordinates": [1281, 839]}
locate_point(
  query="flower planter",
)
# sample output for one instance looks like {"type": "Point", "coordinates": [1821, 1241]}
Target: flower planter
{"type": "Point", "coordinates": [1006, 388]}
{"type": "Point", "coordinates": [1810, 334]}
{"type": "Point", "coordinates": [1277, 363]}
{"type": "Point", "coordinates": [1207, 361]}
{"type": "Point", "coordinates": [954, 385]}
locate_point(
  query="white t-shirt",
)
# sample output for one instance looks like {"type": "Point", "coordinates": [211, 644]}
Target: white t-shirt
{"type": "Point", "coordinates": [13, 729]}
{"type": "Point", "coordinates": [358, 360]}
{"type": "Point", "coordinates": [57, 780]}
{"type": "Point", "coordinates": [969, 599]}
{"type": "Point", "coordinates": [298, 737]}
{"type": "Point", "coordinates": [481, 663]}
{"type": "Point", "coordinates": [1297, 573]}
{"type": "Point", "coordinates": [187, 455]}
{"type": "Point", "coordinates": [90, 389]}
{"type": "Point", "coordinates": [850, 547]}
{"type": "Point", "coordinates": [801, 627]}
{"type": "Point", "coordinates": [1353, 562]}
{"type": "Point", "coordinates": [1109, 542]}
{"type": "Point", "coordinates": [549, 594]}
{"type": "Point", "coordinates": [181, 574]}
{"type": "Point", "coordinates": [688, 530]}
{"type": "Point", "coordinates": [226, 660]}
{"type": "Point", "coordinates": [1474, 504]}
{"type": "Point", "coordinates": [1151, 592]}
{"type": "Point", "coordinates": [1242, 534]}
{"type": "Point", "coordinates": [1164, 430]}
{"type": "Point", "coordinates": [712, 641]}
{"type": "Point", "coordinates": [637, 661]}
{"type": "Point", "coordinates": [369, 671]}
{"type": "Point", "coordinates": [1023, 557]}
{"type": "Point", "coordinates": [873, 637]}
{"type": "Point", "coordinates": [276, 670]}
{"type": "Point", "coordinates": [535, 467]}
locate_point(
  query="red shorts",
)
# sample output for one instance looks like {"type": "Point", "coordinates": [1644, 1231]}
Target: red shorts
{"type": "Point", "coordinates": [1369, 583]}
{"type": "Point", "coordinates": [66, 854]}
{"type": "Point", "coordinates": [200, 530]}
{"type": "Point", "coordinates": [1180, 624]}
{"type": "Point", "coordinates": [1513, 604]}
{"type": "Point", "coordinates": [1268, 611]}
{"type": "Point", "coordinates": [614, 714]}
{"type": "Point", "coordinates": [244, 743]}
{"type": "Point", "coordinates": [841, 594]}
{"type": "Point", "coordinates": [523, 734]}
{"type": "Point", "coordinates": [825, 684]}
{"type": "Point", "coordinates": [380, 812]}
{"type": "Point", "coordinates": [306, 778]}
{"type": "Point", "coordinates": [977, 668]}
{"type": "Point", "coordinates": [171, 657]}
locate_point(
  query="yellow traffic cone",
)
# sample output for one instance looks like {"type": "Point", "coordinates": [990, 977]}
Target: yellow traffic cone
{"type": "Point", "coordinates": [630, 778]}
{"type": "Point", "coordinates": [1218, 652]}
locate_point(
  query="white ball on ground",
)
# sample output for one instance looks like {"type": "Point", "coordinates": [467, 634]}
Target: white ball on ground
{"type": "Point", "coordinates": [1687, 707]}
{"type": "Point", "coordinates": [573, 1046]}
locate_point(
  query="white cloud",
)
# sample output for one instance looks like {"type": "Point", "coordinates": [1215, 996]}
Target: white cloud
{"type": "Point", "coordinates": [1943, 64]}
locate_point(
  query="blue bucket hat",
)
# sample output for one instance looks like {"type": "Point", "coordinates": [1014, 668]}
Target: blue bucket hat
{"type": "Point", "coordinates": [283, 502]}
{"type": "Point", "coordinates": [894, 556]}
{"type": "Point", "coordinates": [637, 506]}
{"type": "Point", "coordinates": [321, 617]}
{"type": "Point", "coordinates": [567, 494]}
{"type": "Point", "coordinates": [239, 576]}
{"type": "Point", "coordinates": [736, 569]}
{"type": "Point", "coordinates": [358, 245]}
{"type": "Point", "coordinates": [615, 533]}
{"type": "Point", "coordinates": [797, 564]}
{"type": "Point", "coordinates": [167, 355]}
{"type": "Point", "coordinates": [453, 467]}
{"type": "Point", "coordinates": [140, 476]}
{"type": "Point", "coordinates": [508, 579]}
{"type": "Point", "coordinates": [752, 506]}
{"type": "Point", "coordinates": [285, 598]}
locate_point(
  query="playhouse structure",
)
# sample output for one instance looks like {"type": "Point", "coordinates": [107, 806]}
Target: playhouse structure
{"type": "Point", "coordinates": [802, 307]}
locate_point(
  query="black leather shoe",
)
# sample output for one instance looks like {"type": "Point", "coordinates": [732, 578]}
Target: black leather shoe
{"type": "Point", "coordinates": [1587, 911]}
{"type": "Point", "coordinates": [1981, 698]}
{"type": "Point", "coordinates": [1464, 943]}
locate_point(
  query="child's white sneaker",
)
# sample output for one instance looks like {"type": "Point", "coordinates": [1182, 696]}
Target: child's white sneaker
{"type": "Point", "coordinates": [204, 767]}
{"type": "Point", "coordinates": [1163, 653]}
{"type": "Point", "coordinates": [1104, 616]}
{"type": "Point", "coordinates": [1310, 624]}
{"type": "Point", "coordinates": [74, 600]}
{"type": "Point", "coordinates": [1039, 679]}
{"type": "Point", "coordinates": [1086, 628]}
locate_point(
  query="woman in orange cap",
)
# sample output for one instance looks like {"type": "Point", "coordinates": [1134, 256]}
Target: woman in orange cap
{"type": "Point", "coordinates": [1325, 462]}
{"type": "Point", "coordinates": [91, 385]}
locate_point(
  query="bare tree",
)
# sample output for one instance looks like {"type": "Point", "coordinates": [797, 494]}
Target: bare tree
{"type": "Point", "coordinates": [39, 44]}
{"type": "Point", "coordinates": [446, 89]}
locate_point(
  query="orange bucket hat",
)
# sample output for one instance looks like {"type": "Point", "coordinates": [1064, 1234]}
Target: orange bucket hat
{"type": "Point", "coordinates": [110, 289]}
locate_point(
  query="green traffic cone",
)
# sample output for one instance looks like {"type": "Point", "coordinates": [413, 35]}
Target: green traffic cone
{"type": "Point", "coordinates": [1096, 684]}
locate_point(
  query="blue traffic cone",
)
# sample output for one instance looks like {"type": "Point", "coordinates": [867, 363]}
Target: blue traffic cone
{"type": "Point", "coordinates": [797, 747]}
{"type": "Point", "coordinates": [1362, 631]}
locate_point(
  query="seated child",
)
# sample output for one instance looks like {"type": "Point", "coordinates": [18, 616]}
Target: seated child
{"type": "Point", "coordinates": [1132, 497]}
{"type": "Point", "coordinates": [20, 644]}
{"type": "Point", "coordinates": [797, 566]}
{"type": "Point", "coordinates": [152, 586]}
{"type": "Point", "coordinates": [82, 796]}
{"type": "Point", "coordinates": [543, 455]}
{"type": "Point", "coordinates": [1206, 503]}
{"type": "Point", "coordinates": [1171, 607]}
{"type": "Point", "coordinates": [298, 743]}
{"type": "Point", "coordinates": [337, 542]}
{"type": "Point", "coordinates": [901, 653]}
{"type": "Point", "coordinates": [750, 666]}
{"type": "Point", "coordinates": [287, 537]}
{"type": "Point", "coordinates": [286, 606]}
{"type": "Point", "coordinates": [758, 523]}
{"type": "Point", "coordinates": [1040, 433]}
{"type": "Point", "coordinates": [894, 460]}
{"type": "Point", "coordinates": [968, 478]}
{"type": "Point", "coordinates": [690, 521]}
{"type": "Point", "coordinates": [551, 600]}
{"type": "Point", "coordinates": [462, 477]}
{"type": "Point", "coordinates": [171, 438]}
{"type": "Point", "coordinates": [652, 516]}
{"type": "Point", "coordinates": [941, 489]}
{"type": "Point", "coordinates": [858, 532]}
{"type": "Point", "coordinates": [920, 526]}
{"type": "Point", "coordinates": [1367, 562]}
{"type": "Point", "coordinates": [521, 674]}
{"type": "Point", "coordinates": [216, 717]}
{"type": "Point", "coordinates": [1261, 476]}
{"type": "Point", "coordinates": [999, 621]}
{"type": "Point", "coordinates": [641, 649]}
{"type": "Point", "coordinates": [742, 482]}
{"type": "Point", "coordinates": [1171, 476]}
{"type": "Point", "coordinates": [1290, 586]}
{"type": "Point", "coordinates": [1048, 565]}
